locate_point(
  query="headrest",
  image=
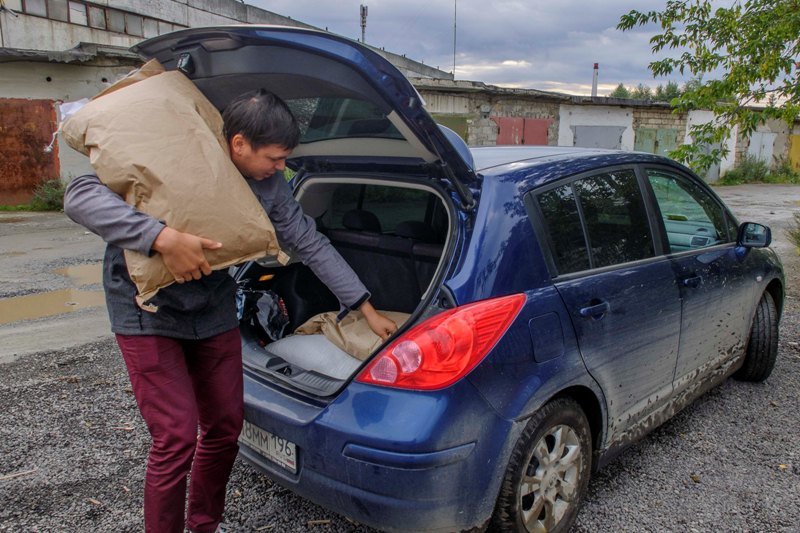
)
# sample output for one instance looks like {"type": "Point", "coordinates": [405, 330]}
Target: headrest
{"type": "Point", "coordinates": [361, 220]}
{"type": "Point", "coordinates": [414, 229]}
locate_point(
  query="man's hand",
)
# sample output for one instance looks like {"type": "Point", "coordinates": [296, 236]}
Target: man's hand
{"type": "Point", "coordinates": [183, 254]}
{"type": "Point", "coordinates": [381, 325]}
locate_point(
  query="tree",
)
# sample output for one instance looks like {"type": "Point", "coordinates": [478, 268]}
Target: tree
{"type": "Point", "coordinates": [642, 92]}
{"type": "Point", "coordinates": [748, 52]}
{"type": "Point", "coordinates": [620, 92]}
{"type": "Point", "coordinates": [668, 93]}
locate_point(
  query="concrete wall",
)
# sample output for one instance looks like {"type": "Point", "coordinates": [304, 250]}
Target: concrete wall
{"type": "Point", "coordinates": [35, 33]}
{"type": "Point", "coordinates": [574, 116]}
{"type": "Point", "coordinates": [67, 83]}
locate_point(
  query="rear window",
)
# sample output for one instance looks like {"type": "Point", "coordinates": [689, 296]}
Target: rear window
{"type": "Point", "coordinates": [337, 118]}
{"type": "Point", "coordinates": [391, 206]}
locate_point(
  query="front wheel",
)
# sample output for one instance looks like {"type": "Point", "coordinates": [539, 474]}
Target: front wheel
{"type": "Point", "coordinates": [762, 347]}
{"type": "Point", "coordinates": [548, 472]}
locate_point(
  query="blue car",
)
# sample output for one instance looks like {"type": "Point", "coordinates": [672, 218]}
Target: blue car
{"type": "Point", "coordinates": [560, 302]}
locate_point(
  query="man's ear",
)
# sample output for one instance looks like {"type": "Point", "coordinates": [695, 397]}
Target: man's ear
{"type": "Point", "coordinates": [238, 142]}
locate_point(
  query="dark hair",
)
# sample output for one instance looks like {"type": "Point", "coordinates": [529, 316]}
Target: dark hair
{"type": "Point", "coordinates": [262, 118]}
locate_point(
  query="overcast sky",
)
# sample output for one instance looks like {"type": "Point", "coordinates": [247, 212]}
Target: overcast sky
{"type": "Point", "coordinates": [538, 44]}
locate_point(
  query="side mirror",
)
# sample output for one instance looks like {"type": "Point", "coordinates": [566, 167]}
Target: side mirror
{"type": "Point", "coordinates": [754, 235]}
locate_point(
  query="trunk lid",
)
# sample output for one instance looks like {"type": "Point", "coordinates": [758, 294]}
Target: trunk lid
{"type": "Point", "coordinates": [354, 107]}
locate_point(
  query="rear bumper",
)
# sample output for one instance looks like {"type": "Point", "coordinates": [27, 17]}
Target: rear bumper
{"type": "Point", "coordinates": [427, 463]}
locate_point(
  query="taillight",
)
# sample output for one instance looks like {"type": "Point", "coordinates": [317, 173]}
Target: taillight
{"type": "Point", "coordinates": [444, 348]}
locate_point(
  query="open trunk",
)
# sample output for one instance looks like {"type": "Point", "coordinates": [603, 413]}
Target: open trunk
{"type": "Point", "coordinates": [392, 233]}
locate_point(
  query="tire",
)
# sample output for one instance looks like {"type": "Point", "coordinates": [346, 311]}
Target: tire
{"type": "Point", "coordinates": [541, 496]}
{"type": "Point", "coordinates": [762, 347]}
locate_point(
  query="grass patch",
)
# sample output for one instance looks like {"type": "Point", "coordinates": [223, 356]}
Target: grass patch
{"type": "Point", "coordinates": [13, 208]}
{"type": "Point", "coordinates": [752, 170]}
{"type": "Point", "coordinates": [48, 196]}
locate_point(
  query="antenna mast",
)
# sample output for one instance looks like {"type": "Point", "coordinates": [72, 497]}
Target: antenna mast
{"type": "Point", "coordinates": [363, 23]}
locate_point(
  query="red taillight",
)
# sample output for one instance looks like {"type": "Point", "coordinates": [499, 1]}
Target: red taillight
{"type": "Point", "coordinates": [441, 350]}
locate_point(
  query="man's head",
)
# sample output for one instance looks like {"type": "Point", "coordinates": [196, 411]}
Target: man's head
{"type": "Point", "coordinates": [261, 132]}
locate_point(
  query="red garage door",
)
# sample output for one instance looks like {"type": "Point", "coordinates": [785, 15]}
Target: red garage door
{"type": "Point", "coordinates": [517, 130]}
{"type": "Point", "coordinates": [26, 127]}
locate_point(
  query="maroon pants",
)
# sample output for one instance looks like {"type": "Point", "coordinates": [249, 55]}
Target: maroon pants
{"type": "Point", "coordinates": [180, 384]}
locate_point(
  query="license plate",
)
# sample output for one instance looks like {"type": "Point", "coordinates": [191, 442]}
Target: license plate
{"type": "Point", "coordinates": [274, 448]}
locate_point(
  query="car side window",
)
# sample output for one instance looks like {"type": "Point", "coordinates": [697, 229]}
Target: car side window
{"type": "Point", "coordinates": [692, 217]}
{"type": "Point", "coordinates": [596, 221]}
{"type": "Point", "coordinates": [564, 229]}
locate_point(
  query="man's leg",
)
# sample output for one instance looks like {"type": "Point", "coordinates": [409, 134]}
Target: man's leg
{"type": "Point", "coordinates": [163, 390]}
{"type": "Point", "coordinates": [215, 366]}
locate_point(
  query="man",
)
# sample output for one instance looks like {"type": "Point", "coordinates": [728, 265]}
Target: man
{"type": "Point", "coordinates": [184, 360]}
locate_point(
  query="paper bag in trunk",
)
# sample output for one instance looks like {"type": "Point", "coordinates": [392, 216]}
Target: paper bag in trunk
{"type": "Point", "coordinates": [154, 139]}
{"type": "Point", "coordinates": [352, 334]}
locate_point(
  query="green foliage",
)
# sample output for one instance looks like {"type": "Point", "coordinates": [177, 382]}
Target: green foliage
{"type": "Point", "coordinates": [752, 170]}
{"type": "Point", "coordinates": [668, 93]}
{"type": "Point", "coordinates": [793, 232]}
{"type": "Point", "coordinates": [620, 92]}
{"type": "Point", "coordinates": [752, 46]}
{"type": "Point", "coordinates": [48, 196]}
{"type": "Point", "coordinates": [644, 92]}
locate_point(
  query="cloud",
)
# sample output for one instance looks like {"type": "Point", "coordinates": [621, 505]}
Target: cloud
{"type": "Point", "coordinates": [540, 45]}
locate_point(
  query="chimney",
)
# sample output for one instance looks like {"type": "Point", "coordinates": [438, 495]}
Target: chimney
{"type": "Point", "coordinates": [594, 81]}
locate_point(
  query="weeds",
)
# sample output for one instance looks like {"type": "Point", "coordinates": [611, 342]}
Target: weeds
{"type": "Point", "coordinates": [752, 170]}
{"type": "Point", "coordinates": [793, 233]}
{"type": "Point", "coordinates": [48, 196]}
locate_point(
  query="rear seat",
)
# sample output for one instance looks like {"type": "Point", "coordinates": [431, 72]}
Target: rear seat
{"type": "Point", "coordinates": [395, 268]}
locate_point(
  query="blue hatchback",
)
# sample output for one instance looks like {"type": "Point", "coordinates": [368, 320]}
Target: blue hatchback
{"type": "Point", "coordinates": [558, 303]}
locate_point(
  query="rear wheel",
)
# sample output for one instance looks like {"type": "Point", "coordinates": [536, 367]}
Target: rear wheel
{"type": "Point", "coordinates": [548, 473]}
{"type": "Point", "coordinates": [762, 348]}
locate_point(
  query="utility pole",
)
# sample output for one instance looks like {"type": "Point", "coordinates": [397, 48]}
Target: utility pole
{"type": "Point", "coordinates": [455, 13]}
{"type": "Point", "coordinates": [363, 23]}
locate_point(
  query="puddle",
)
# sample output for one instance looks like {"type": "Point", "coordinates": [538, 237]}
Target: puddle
{"type": "Point", "coordinates": [83, 274]}
{"type": "Point", "coordinates": [47, 304]}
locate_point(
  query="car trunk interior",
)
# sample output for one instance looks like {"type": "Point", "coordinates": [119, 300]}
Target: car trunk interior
{"type": "Point", "coordinates": [392, 234]}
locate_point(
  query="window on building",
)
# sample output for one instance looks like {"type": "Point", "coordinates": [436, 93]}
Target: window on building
{"type": "Point", "coordinates": [58, 10]}
{"type": "Point", "coordinates": [77, 13]}
{"type": "Point", "coordinates": [36, 7]}
{"type": "Point", "coordinates": [133, 25]}
{"type": "Point", "coordinates": [97, 17]}
{"type": "Point", "coordinates": [116, 20]}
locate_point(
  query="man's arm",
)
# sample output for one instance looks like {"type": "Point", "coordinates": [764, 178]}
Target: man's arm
{"type": "Point", "coordinates": [91, 204]}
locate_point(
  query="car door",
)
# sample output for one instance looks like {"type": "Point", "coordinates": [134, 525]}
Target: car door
{"type": "Point", "coordinates": [619, 290]}
{"type": "Point", "coordinates": [716, 294]}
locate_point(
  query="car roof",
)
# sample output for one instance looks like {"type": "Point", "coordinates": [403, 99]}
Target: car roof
{"type": "Point", "coordinates": [492, 156]}
{"type": "Point", "coordinates": [533, 166]}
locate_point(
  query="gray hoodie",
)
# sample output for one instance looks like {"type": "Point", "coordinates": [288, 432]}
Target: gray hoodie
{"type": "Point", "coordinates": [205, 307]}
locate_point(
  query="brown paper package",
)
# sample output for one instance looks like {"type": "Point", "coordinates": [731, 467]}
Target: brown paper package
{"type": "Point", "coordinates": [155, 140]}
{"type": "Point", "coordinates": [352, 334]}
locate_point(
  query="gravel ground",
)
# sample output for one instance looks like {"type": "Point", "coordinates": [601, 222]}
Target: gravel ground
{"type": "Point", "coordinates": [72, 451]}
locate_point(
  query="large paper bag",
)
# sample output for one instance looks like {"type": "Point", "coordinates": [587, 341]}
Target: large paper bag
{"type": "Point", "coordinates": [154, 139]}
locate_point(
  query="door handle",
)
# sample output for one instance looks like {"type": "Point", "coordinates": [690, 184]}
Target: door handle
{"type": "Point", "coordinates": [691, 281]}
{"type": "Point", "coordinates": [594, 311]}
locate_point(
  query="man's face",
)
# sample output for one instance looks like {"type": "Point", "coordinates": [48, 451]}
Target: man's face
{"type": "Point", "coordinates": [259, 163]}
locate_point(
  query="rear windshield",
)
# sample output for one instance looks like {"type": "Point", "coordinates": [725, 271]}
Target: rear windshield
{"type": "Point", "coordinates": [337, 118]}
